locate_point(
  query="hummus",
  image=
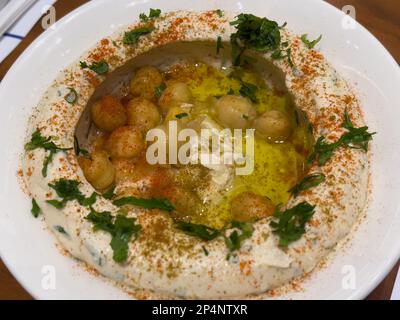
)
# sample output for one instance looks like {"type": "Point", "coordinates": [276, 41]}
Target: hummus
{"type": "Point", "coordinates": [162, 261]}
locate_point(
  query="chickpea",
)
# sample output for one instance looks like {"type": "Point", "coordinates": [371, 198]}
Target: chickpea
{"type": "Point", "coordinates": [143, 113]}
{"type": "Point", "coordinates": [248, 207]}
{"type": "Point", "coordinates": [145, 82]}
{"type": "Point", "coordinates": [125, 142]}
{"type": "Point", "coordinates": [235, 112]}
{"type": "Point", "coordinates": [273, 125]}
{"type": "Point", "coordinates": [98, 170]}
{"type": "Point", "coordinates": [108, 114]}
{"type": "Point", "coordinates": [174, 95]}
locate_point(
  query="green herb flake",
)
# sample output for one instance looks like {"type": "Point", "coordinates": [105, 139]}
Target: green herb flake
{"type": "Point", "coordinates": [219, 13]}
{"type": "Point", "coordinates": [35, 209]}
{"type": "Point", "coordinates": [132, 37]}
{"type": "Point", "coordinates": [290, 224]}
{"type": "Point", "coordinates": [72, 96]}
{"type": "Point", "coordinates": [206, 253]}
{"type": "Point", "coordinates": [198, 230]}
{"type": "Point", "coordinates": [80, 151]}
{"type": "Point", "coordinates": [121, 229]}
{"type": "Point", "coordinates": [219, 44]}
{"type": "Point", "coordinates": [160, 89]}
{"type": "Point", "coordinates": [109, 194]}
{"type": "Point", "coordinates": [162, 204]}
{"type": "Point", "coordinates": [248, 90]}
{"type": "Point", "coordinates": [307, 183]}
{"type": "Point", "coordinates": [100, 67]}
{"type": "Point", "coordinates": [37, 142]}
{"type": "Point", "coordinates": [357, 138]}
{"type": "Point", "coordinates": [154, 13]}
{"type": "Point", "coordinates": [61, 230]}
{"type": "Point", "coordinates": [242, 232]}
{"type": "Point", "coordinates": [68, 190]}
{"type": "Point", "coordinates": [182, 115]}
{"type": "Point", "coordinates": [310, 44]}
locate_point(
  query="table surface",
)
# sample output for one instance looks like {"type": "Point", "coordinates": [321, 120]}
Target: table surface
{"type": "Point", "coordinates": [382, 18]}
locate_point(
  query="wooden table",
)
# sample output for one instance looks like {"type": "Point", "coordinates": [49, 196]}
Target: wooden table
{"type": "Point", "coordinates": [382, 18]}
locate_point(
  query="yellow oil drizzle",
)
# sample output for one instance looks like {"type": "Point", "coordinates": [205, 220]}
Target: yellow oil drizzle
{"type": "Point", "coordinates": [278, 167]}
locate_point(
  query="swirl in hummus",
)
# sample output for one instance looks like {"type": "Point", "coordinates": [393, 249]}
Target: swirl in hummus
{"type": "Point", "coordinates": [199, 231]}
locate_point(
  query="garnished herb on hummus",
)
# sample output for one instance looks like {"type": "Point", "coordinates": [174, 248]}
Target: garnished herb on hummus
{"type": "Point", "coordinates": [248, 90]}
{"type": "Point", "coordinates": [198, 230]}
{"type": "Point", "coordinates": [72, 96]}
{"type": "Point", "coordinates": [308, 183]}
{"type": "Point", "coordinates": [260, 34]}
{"type": "Point", "coordinates": [219, 13]}
{"type": "Point", "coordinates": [160, 89]}
{"type": "Point", "coordinates": [242, 231]}
{"type": "Point", "coordinates": [80, 151]}
{"type": "Point", "coordinates": [109, 194]}
{"type": "Point", "coordinates": [310, 44]}
{"type": "Point", "coordinates": [290, 224]}
{"type": "Point", "coordinates": [182, 115]}
{"type": "Point", "coordinates": [37, 142]}
{"type": "Point", "coordinates": [357, 138]}
{"type": "Point", "coordinates": [100, 67]}
{"type": "Point", "coordinates": [121, 229]}
{"type": "Point", "coordinates": [35, 209]}
{"type": "Point", "coordinates": [154, 13]}
{"type": "Point", "coordinates": [132, 37]}
{"type": "Point", "coordinates": [162, 204]}
{"type": "Point", "coordinates": [61, 230]}
{"type": "Point", "coordinates": [219, 44]}
{"type": "Point", "coordinates": [68, 190]}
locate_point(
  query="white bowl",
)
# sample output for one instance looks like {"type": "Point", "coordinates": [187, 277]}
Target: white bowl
{"type": "Point", "coordinates": [29, 250]}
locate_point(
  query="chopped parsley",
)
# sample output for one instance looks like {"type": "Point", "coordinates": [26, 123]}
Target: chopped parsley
{"type": "Point", "coordinates": [219, 13]}
{"type": "Point", "coordinates": [80, 151]}
{"type": "Point", "coordinates": [162, 204]}
{"type": "Point", "coordinates": [248, 90]}
{"type": "Point", "coordinates": [252, 32]}
{"type": "Point", "coordinates": [35, 209]}
{"type": "Point", "coordinates": [68, 190]}
{"type": "Point", "coordinates": [219, 44]}
{"type": "Point", "coordinates": [310, 44]}
{"type": "Point", "coordinates": [308, 183]}
{"type": "Point", "coordinates": [160, 89]}
{"type": "Point", "coordinates": [242, 232]}
{"type": "Point", "coordinates": [61, 230]}
{"type": "Point", "coordinates": [357, 138]}
{"type": "Point", "coordinates": [72, 96]}
{"type": "Point", "coordinates": [132, 37]}
{"type": "Point", "coordinates": [206, 253]}
{"type": "Point", "coordinates": [109, 194]}
{"type": "Point", "coordinates": [198, 230]}
{"type": "Point", "coordinates": [290, 224]}
{"type": "Point", "coordinates": [182, 115]}
{"type": "Point", "coordinates": [121, 229]}
{"type": "Point", "coordinates": [100, 67]}
{"type": "Point", "coordinates": [37, 142]}
{"type": "Point", "coordinates": [154, 13]}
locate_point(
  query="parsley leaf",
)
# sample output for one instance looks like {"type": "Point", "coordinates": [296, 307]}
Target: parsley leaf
{"type": "Point", "coordinates": [255, 33]}
{"type": "Point", "coordinates": [109, 194]}
{"type": "Point", "coordinates": [248, 90]}
{"type": "Point", "coordinates": [72, 96]}
{"type": "Point", "coordinates": [310, 44]}
{"type": "Point", "coordinates": [182, 115]}
{"type": "Point", "coordinates": [121, 229]}
{"type": "Point", "coordinates": [235, 239]}
{"type": "Point", "coordinates": [219, 44]}
{"type": "Point", "coordinates": [132, 37]}
{"type": "Point", "coordinates": [308, 183]}
{"type": "Point", "coordinates": [35, 209]}
{"type": "Point", "coordinates": [61, 230]}
{"type": "Point", "coordinates": [37, 142]}
{"type": "Point", "coordinates": [219, 13]}
{"type": "Point", "coordinates": [162, 204]}
{"type": "Point", "coordinates": [357, 138]}
{"type": "Point", "coordinates": [290, 224]}
{"type": "Point", "coordinates": [68, 190]}
{"type": "Point", "coordinates": [154, 13]}
{"type": "Point", "coordinates": [80, 151]}
{"type": "Point", "coordinates": [160, 89]}
{"type": "Point", "coordinates": [100, 67]}
{"type": "Point", "coordinates": [198, 230]}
